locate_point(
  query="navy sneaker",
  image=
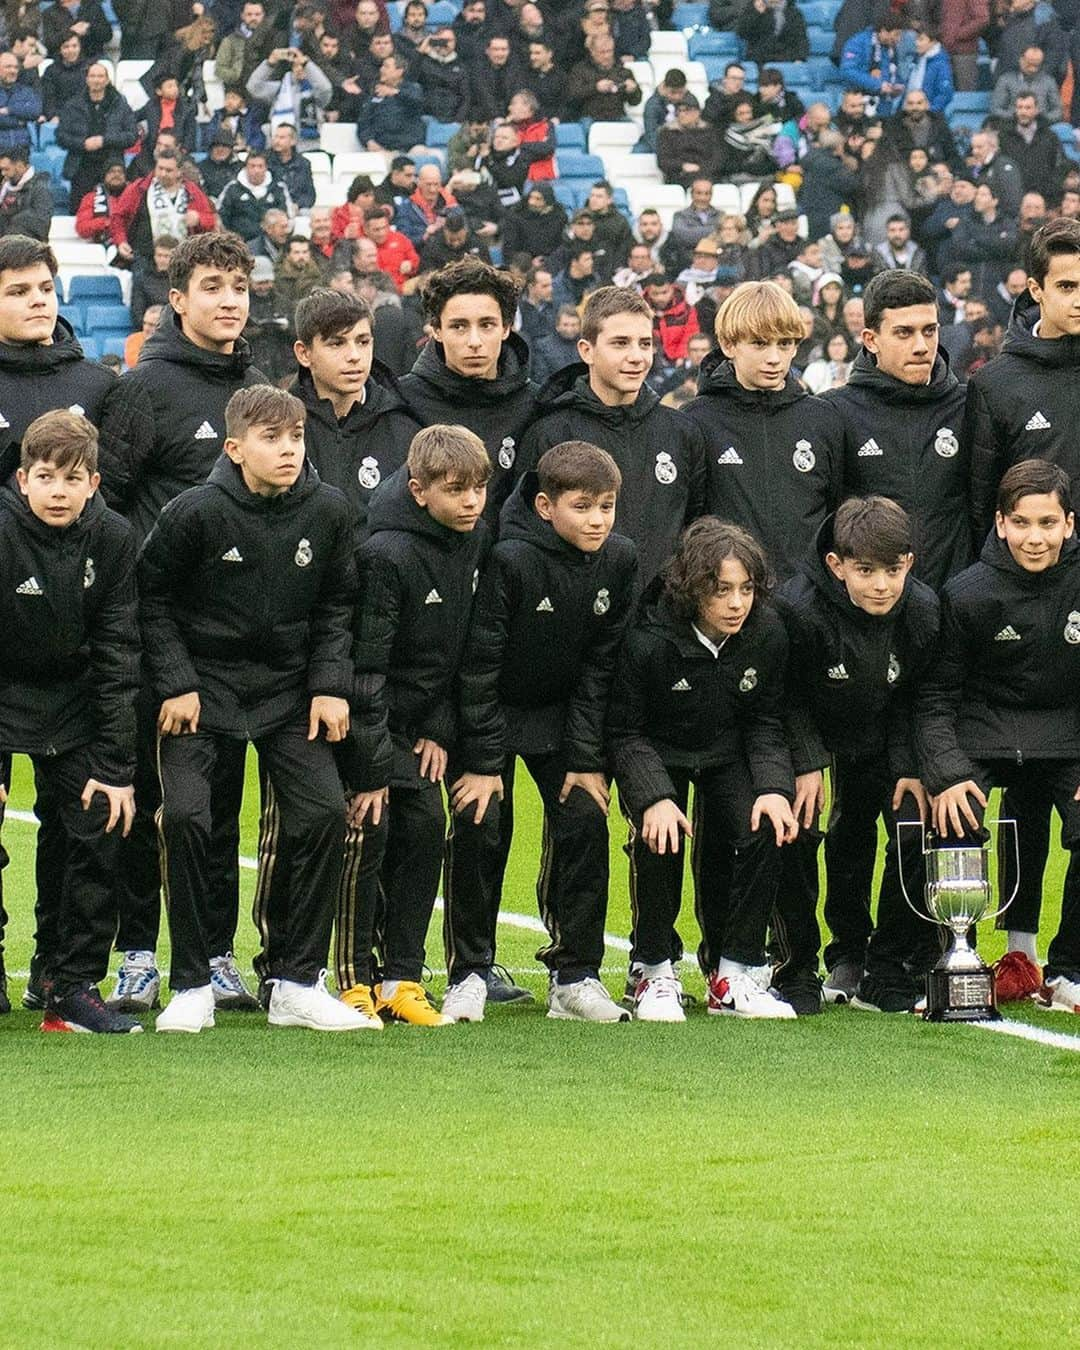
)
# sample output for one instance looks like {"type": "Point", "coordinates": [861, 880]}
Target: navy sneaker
{"type": "Point", "coordinates": [502, 989]}
{"type": "Point", "coordinates": [84, 1010]}
{"type": "Point", "coordinates": [802, 989]}
{"type": "Point", "coordinates": [878, 993]}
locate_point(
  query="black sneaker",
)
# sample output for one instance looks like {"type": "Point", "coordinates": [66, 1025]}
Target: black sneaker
{"type": "Point", "coordinates": [35, 996]}
{"type": "Point", "coordinates": [5, 1002]}
{"type": "Point", "coordinates": [878, 994]}
{"type": "Point", "coordinates": [502, 989]}
{"type": "Point", "coordinates": [84, 1010]}
{"type": "Point", "coordinates": [802, 989]}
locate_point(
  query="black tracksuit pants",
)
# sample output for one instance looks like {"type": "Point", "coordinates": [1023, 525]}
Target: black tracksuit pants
{"type": "Point", "coordinates": [862, 792]}
{"type": "Point", "coordinates": [1030, 805]}
{"type": "Point", "coordinates": [5, 778]}
{"type": "Point", "coordinates": [571, 890]}
{"type": "Point", "coordinates": [199, 774]}
{"type": "Point", "coordinates": [409, 876]}
{"type": "Point", "coordinates": [734, 894]}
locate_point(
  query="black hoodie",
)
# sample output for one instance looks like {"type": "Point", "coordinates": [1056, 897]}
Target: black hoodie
{"type": "Point", "coordinates": [1005, 684]}
{"type": "Point", "coordinates": [547, 623]}
{"type": "Point", "coordinates": [370, 443]}
{"type": "Point", "coordinates": [851, 674]}
{"type": "Point", "coordinates": [169, 416]}
{"type": "Point", "coordinates": [417, 582]}
{"type": "Point", "coordinates": [1024, 404]}
{"type": "Point", "coordinates": [37, 377]}
{"type": "Point", "coordinates": [774, 459]}
{"type": "Point", "coordinates": [69, 663]}
{"type": "Point", "coordinates": [676, 706]}
{"type": "Point", "coordinates": [660, 454]}
{"type": "Point", "coordinates": [247, 599]}
{"type": "Point", "coordinates": [537, 233]}
{"type": "Point", "coordinates": [904, 441]}
{"type": "Point", "coordinates": [497, 410]}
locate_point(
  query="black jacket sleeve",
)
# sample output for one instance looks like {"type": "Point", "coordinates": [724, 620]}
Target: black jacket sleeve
{"type": "Point", "coordinates": [375, 624]}
{"type": "Point", "coordinates": [127, 435]}
{"type": "Point", "coordinates": [168, 558]}
{"type": "Point", "coordinates": [643, 780]}
{"type": "Point", "coordinates": [482, 721]}
{"type": "Point", "coordinates": [330, 669]}
{"type": "Point", "coordinates": [808, 749]}
{"type": "Point", "coordinates": [114, 660]}
{"type": "Point", "coordinates": [988, 460]}
{"type": "Point", "coordinates": [941, 760]}
{"type": "Point", "coordinates": [763, 730]}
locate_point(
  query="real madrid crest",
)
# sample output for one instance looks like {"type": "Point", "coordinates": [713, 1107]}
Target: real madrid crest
{"type": "Point", "coordinates": [303, 553]}
{"type": "Point", "coordinates": [894, 669]}
{"type": "Point", "coordinates": [945, 443]}
{"type": "Point", "coordinates": [1072, 628]}
{"type": "Point", "coordinates": [89, 575]}
{"type": "Point", "coordinates": [602, 603]}
{"type": "Point", "coordinates": [369, 473]}
{"type": "Point", "coordinates": [804, 458]}
{"type": "Point", "coordinates": [507, 452]}
{"type": "Point", "coordinates": [748, 681]}
{"type": "Point", "coordinates": [666, 469]}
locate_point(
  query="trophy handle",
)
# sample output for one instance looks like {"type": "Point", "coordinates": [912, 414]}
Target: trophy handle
{"type": "Point", "coordinates": [912, 825]}
{"type": "Point", "coordinates": [1004, 824]}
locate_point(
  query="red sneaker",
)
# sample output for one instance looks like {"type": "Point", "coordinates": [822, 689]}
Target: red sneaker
{"type": "Point", "coordinates": [1017, 977]}
{"type": "Point", "coordinates": [716, 990]}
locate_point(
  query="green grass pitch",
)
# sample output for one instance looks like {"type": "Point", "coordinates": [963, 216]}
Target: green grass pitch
{"type": "Point", "coordinates": [846, 1180]}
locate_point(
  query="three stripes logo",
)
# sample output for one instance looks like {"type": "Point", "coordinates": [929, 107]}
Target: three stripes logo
{"type": "Point", "coordinates": [868, 448]}
{"type": "Point", "coordinates": [1007, 634]}
{"type": "Point", "coordinates": [30, 586]}
{"type": "Point", "coordinates": [681, 686]}
{"type": "Point", "coordinates": [1037, 422]}
{"type": "Point", "coordinates": [730, 456]}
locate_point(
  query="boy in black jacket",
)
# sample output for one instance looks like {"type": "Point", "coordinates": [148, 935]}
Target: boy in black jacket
{"type": "Point", "coordinates": [550, 613]}
{"type": "Point", "coordinates": [70, 670]}
{"type": "Point", "coordinates": [862, 632]}
{"type": "Point", "coordinates": [696, 699]}
{"type": "Point", "coordinates": [246, 584]}
{"type": "Point", "coordinates": [773, 451]}
{"type": "Point", "coordinates": [419, 569]}
{"type": "Point", "coordinates": [999, 706]}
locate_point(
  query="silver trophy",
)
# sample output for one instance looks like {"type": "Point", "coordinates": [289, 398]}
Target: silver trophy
{"type": "Point", "coordinates": [959, 893]}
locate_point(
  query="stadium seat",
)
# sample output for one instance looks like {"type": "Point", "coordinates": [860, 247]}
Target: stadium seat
{"type": "Point", "coordinates": [725, 197]}
{"type": "Point", "coordinates": [796, 73]}
{"type": "Point", "coordinates": [348, 164]}
{"type": "Point", "coordinates": [319, 161]}
{"type": "Point", "coordinates": [77, 255]}
{"type": "Point", "coordinates": [130, 70]}
{"type": "Point", "coordinates": [565, 194]}
{"type": "Point", "coordinates": [113, 346]}
{"type": "Point", "coordinates": [338, 137]}
{"type": "Point", "coordinates": [90, 347]}
{"type": "Point", "coordinates": [441, 14]}
{"type": "Point", "coordinates": [665, 45]}
{"type": "Point", "coordinates": [62, 227]}
{"type": "Point", "coordinates": [105, 319]}
{"type": "Point", "coordinates": [329, 193]}
{"type": "Point", "coordinates": [46, 135]}
{"type": "Point", "coordinates": [693, 70]}
{"type": "Point", "coordinates": [624, 168]}
{"type": "Point", "coordinates": [49, 161]}
{"type": "Point", "coordinates": [570, 136]}
{"type": "Point", "coordinates": [394, 12]}
{"type": "Point", "coordinates": [642, 71]}
{"type": "Point", "coordinates": [612, 135]}
{"type": "Point", "coordinates": [135, 94]}
{"type": "Point", "coordinates": [973, 101]}
{"type": "Point", "coordinates": [690, 16]}
{"type": "Point", "coordinates": [574, 164]}
{"type": "Point", "coordinates": [726, 45]}
{"type": "Point", "coordinates": [439, 133]}
{"type": "Point", "coordinates": [100, 289]}
{"type": "Point", "coordinates": [822, 71]}
{"type": "Point", "coordinates": [820, 13]}
{"type": "Point", "coordinates": [821, 41]}
{"type": "Point", "coordinates": [73, 314]}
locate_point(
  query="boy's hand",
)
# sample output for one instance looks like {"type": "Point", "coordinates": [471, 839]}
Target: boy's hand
{"type": "Point", "coordinates": [179, 715]}
{"type": "Point", "coordinates": [660, 826]}
{"type": "Point", "coordinates": [952, 808]}
{"type": "Point", "coordinates": [911, 787]}
{"type": "Point", "coordinates": [776, 810]}
{"type": "Point", "coordinates": [478, 788]}
{"type": "Point", "coordinates": [332, 713]}
{"type": "Point", "coordinates": [364, 803]}
{"type": "Point", "coordinates": [432, 759]}
{"type": "Point", "coordinates": [595, 784]}
{"type": "Point", "coordinates": [809, 797]}
{"type": "Point", "coordinates": [121, 803]}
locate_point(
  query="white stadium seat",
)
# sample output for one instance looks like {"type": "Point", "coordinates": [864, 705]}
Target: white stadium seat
{"type": "Point", "coordinates": [612, 135]}
{"type": "Point", "coordinates": [348, 165]}
{"type": "Point", "coordinates": [338, 137]}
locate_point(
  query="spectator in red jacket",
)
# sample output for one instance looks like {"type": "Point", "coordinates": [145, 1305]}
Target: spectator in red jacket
{"type": "Point", "coordinates": [93, 219]}
{"type": "Point", "coordinates": [161, 203]}
{"type": "Point", "coordinates": [674, 322]}
{"type": "Point", "coordinates": [396, 255]}
{"type": "Point", "coordinates": [531, 126]}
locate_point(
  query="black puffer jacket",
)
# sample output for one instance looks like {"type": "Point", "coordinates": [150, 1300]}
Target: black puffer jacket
{"type": "Point", "coordinates": [497, 410]}
{"type": "Point", "coordinates": [676, 706]}
{"type": "Point", "coordinates": [1024, 404]}
{"type": "Point", "coordinates": [660, 455]}
{"type": "Point", "coordinates": [247, 600]}
{"type": "Point", "coordinates": [904, 441]}
{"type": "Point", "coordinates": [1005, 683]}
{"type": "Point", "coordinates": [774, 459]}
{"type": "Point", "coordinates": [852, 675]}
{"type": "Point", "coordinates": [547, 624]}
{"type": "Point", "coordinates": [69, 663]}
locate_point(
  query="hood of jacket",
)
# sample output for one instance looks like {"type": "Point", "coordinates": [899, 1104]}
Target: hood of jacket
{"type": "Point", "coordinates": [36, 357]}
{"type": "Point", "coordinates": [569, 389]}
{"type": "Point", "coordinates": [866, 373]}
{"type": "Point", "coordinates": [546, 191]}
{"type": "Point", "coordinates": [227, 476]}
{"type": "Point", "coordinates": [168, 343]}
{"type": "Point", "coordinates": [393, 507]}
{"type": "Point", "coordinates": [511, 377]}
{"type": "Point", "coordinates": [716, 377]}
{"type": "Point", "coordinates": [995, 553]}
{"type": "Point", "coordinates": [1020, 339]}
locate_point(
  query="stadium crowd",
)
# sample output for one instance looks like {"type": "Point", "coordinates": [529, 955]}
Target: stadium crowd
{"type": "Point", "coordinates": [506, 271]}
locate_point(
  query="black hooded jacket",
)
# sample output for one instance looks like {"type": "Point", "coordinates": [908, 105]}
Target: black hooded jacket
{"type": "Point", "coordinates": [659, 453]}
{"type": "Point", "coordinates": [497, 410]}
{"type": "Point", "coordinates": [370, 443]}
{"type": "Point", "coordinates": [69, 663]}
{"type": "Point", "coordinates": [1024, 404]}
{"type": "Point", "coordinates": [676, 706]}
{"type": "Point", "coordinates": [247, 600]}
{"type": "Point", "coordinates": [546, 627]}
{"type": "Point", "coordinates": [36, 378]}
{"type": "Point", "coordinates": [851, 674]}
{"type": "Point", "coordinates": [537, 233]}
{"type": "Point", "coordinates": [904, 441]}
{"type": "Point", "coordinates": [1005, 682]}
{"type": "Point", "coordinates": [167, 422]}
{"type": "Point", "coordinates": [417, 582]}
{"type": "Point", "coordinates": [774, 459]}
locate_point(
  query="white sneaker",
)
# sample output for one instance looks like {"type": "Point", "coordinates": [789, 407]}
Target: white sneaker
{"type": "Point", "coordinates": [584, 1001]}
{"type": "Point", "coordinates": [1059, 995]}
{"type": "Point", "coordinates": [743, 996]}
{"type": "Point", "coordinates": [138, 984]}
{"type": "Point", "coordinates": [464, 1001]}
{"type": "Point", "coordinates": [190, 1010]}
{"type": "Point", "coordinates": [659, 1000]}
{"type": "Point", "coordinates": [313, 1006]}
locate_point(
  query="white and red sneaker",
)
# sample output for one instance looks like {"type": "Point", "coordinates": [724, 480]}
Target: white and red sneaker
{"type": "Point", "coordinates": [736, 993]}
{"type": "Point", "coordinates": [1059, 995]}
{"type": "Point", "coordinates": [659, 1000]}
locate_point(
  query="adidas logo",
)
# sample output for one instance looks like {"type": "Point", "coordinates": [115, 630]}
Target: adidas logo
{"type": "Point", "coordinates": [29, 587]}
{"type": "Point", "coordinates": [233, 555]}
{"type": "Point", "coordinates": [680, 686]}
{"type": "Point", "coordinates": [870, 447]}
{"type": "Point", "coordinates": [1007, 634]}
{"type": "Point", "coordinates": [545, 607]}
{"type": "Point", "coordinates": [730, 456]}
{"type": "Point", "coordinates": [838, 672]}
{"type": "Point", "coordinates": [4, 423]}
{"type": "Point", "coordinates": [205, 433]}
{"type": "Point", "coordinates": [433, 597]}
{"type": "Point", "coordinates": [1037, 422]}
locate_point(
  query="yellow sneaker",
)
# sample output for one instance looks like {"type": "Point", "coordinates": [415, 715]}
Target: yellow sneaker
{"type": "Point", "coordinates": [359, 996]}
{"type": "Point", "coordinates": [409, 1004]}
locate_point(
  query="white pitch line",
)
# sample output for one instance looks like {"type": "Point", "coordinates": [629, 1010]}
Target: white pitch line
{"type": "Point", "coordinates": [1026, 1032]}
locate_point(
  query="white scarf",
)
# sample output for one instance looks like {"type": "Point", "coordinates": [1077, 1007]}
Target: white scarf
{"type": "Point", "coordinates": [167, 212]}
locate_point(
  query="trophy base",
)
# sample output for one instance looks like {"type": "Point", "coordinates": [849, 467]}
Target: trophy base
{"type": "Point", "coordinates": [961, 995]}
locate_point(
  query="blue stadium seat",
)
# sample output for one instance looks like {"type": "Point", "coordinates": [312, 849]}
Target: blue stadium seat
{"type": "Point", "coordinates": [100, 290]}
{"type": "Point", "coordinates": [441, 14]}
{"type": "Point", "coordinates": [73, 314]}
{"type": "Point", "coordinates": [821, 41]}
{"type": "Point", "coordinates": [564, 194]}
{"type": "Point", "coordinates": [573, 164]}
{"type": "Point", "coordinates": [690, 16]}
{"type": "Point", "coordinates": [569, 136]}
{"type": "Point", "coordinates": [975, 101]}
{"type": "Point", "coordinates": [113, 346]}
{"type": "Point", "coordinates": [107, 319]}
{"type": "Point", "coordinates": [46, 135]}
{"type": "Point", "coordinates": [820, 13]}
{"type": "Point", "coordinates": [822, 72]}
{"type": "Point", "coordinates": [90, 347]}
{"type": "Point", "coordinates": [50, 160]}
{"type": "Point", "coordinates": [439, 133]}
{"type": "Point", "coordinates": [394, 9]}
{"type": "Point", "coordinates": [726, 45]}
